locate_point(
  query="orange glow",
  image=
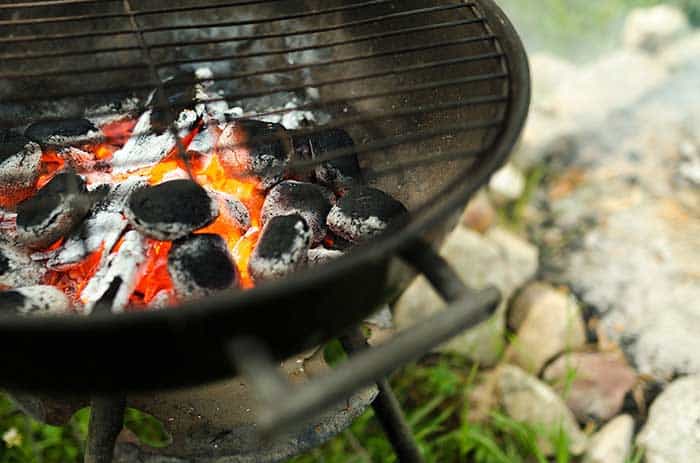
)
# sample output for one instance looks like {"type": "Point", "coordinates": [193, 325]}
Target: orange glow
{"type": "Point", "coordinates": [73, 279]}
{"type": "Point", "coordinates": [154, 276]}
{"type": "Point", "coordinates": [118, 132]}
{"type": "Point", "coordinates": [51, 163]}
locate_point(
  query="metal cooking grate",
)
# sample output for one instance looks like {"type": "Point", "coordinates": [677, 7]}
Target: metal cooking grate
{"type": "Point", "coordinates": [439, 65]}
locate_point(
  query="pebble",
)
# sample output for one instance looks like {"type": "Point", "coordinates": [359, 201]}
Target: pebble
{"type": "Point", "coordinates": [613, 443]}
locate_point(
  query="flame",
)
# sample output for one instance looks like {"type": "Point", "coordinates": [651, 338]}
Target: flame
{"type": "Point", "coordinates": [51, 163]}
{"type": "Point", "coordinates": [153, 275]}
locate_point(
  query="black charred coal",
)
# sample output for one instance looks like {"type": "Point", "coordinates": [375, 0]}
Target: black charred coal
{"type": "Point", "coordinates": [177, 93]}
{"type": "Point", "coordinates": [312, 202]}
{"type": "Point", "coordinates": [282, 248]}
{"type": "Point", "coordinates": [338, 174]}
{"type": "Point", "coordinates": [34, 300]}
{"type": "Point", "coordinates": [200, 265]}
{"type": "Point", "coordinates": [17, 268]}
{"type": "Point", "coordinates": [62, 132]}
{"type": "Point", "coordinates": [171, 210]}
{"type": "Point", "coordinates": [364, 213]}
{"type": "Point", "coordinates": [321, 255]}
{"type": "Point", "coordinates": [54, 211]}
{"type": "Point", "coordinates": [238, 212]}
{"type": "Point", "coordinates": [256, 149]}
{"type": "Point", "coordinates": [19, 162]}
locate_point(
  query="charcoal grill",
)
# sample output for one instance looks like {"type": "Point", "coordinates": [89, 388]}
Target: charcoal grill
{"type": "Point", "coordinates": [433, 92]}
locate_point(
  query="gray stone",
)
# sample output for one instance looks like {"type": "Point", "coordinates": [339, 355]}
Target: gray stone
{"type": "Point", "coordinates": [527, 399]}
{"type": "Point", "coordinates": [683, 53]}
{"type": "Point", "coordinates": [507, 184]}
{"type": "Point", "coordinates": [672, 431]}
{"type": "Point", "coordinates": [547, 324]}
{"type": "Point", "coordinates": [497, 258]}
{"type": "Point", "coordinates": [613, 443]}
{"type": "Point", "coordinates": [547, 72]}
{"type": "Point", "coordinates": [598, 386]}
{"type": "Point", "coordinates": [479, 214]}
{"type": "Point", "coordinates": [650, 29]}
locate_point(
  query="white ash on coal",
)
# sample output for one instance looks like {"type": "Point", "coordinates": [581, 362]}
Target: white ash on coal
{"type": "Point", "coordinates": [17, 268]}
{"type": "Point", "coordinates": [118, 275]}
{"type": "Point", "coordinates": [338, 173]}
{"type": "Point", "coordinates": [171, 210]}
{"type": "Point", "coordinates": [146, 147]}
{"type": "Point", "coordinates": [256, 149]}
{"type": "Point", "coordinates": [201, 265]}
{"type": "Point", "coordinates": [310, 201]}
{"type": "Point", "coordinates": [19, 162]}
{"type": "Point", "coordinates": [234, 208]}
{"type": "Point", "coordinates": [63, 132]}
{"type": "Point", "coordinates": [321, 255]}
{"type": "Point", "coordinates": [204, 142]}
{"type": "Point", "coordinates": [35, 300]}
{"type": "Point", "coordinates": [177, 92]}
{"type": "Point", "coordinates": [282, 248]}
{"type": "Point", "coordinates": [364, 213]}
{"type": "Point", "coordinates": [54, 211]}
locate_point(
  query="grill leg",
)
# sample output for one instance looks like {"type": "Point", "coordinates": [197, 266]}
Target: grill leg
{"type": "Point", "coordinates": [106, 422]}
{"type": "Point", "coordinates": [387, 408]}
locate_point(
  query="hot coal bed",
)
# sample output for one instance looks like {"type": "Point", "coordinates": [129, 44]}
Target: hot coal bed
{"type": "Point", "coordinates": [147, 209]}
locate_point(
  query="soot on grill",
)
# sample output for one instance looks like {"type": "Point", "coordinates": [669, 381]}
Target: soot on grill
{"type": "Point", "coordinates": [312, 202]}
{"type": "Point", "coordinates": [171, 210]}
{"type": "Point", "coordinates": [339, 173]}
{"type": "Point", "coordinates": [53, 211]}
{"type": "Point", "coordinates": [363, 213]}
{"type": "Point", "coordinates": [200, 265]}
{"type": "Point", "coordinates": [62, 132]}
{"type": "Point", "coordinates": [282, 248]}
{"type": "Point", "coordinates": [255, 149]}
{"type": "Point", "coordinates": [34, 300]}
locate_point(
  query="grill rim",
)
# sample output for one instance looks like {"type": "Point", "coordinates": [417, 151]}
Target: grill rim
{"type": "Point", "coordinates": [453, 196]}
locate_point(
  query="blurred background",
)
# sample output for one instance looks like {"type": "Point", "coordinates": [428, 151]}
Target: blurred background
{"type": "Point", "coordinates": [592, 233]}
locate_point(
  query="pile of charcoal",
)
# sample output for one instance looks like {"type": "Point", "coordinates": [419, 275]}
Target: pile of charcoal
{"type": "Point", "coordinates": [147, 212]}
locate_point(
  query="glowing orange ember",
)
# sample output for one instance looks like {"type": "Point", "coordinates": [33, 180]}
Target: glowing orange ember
{"type": "Point", "coordinates": [51, 163]}
{"type": "Point", "coordinates": [154, 275]}
{"type": "Point", "coordinates": [73, 279]}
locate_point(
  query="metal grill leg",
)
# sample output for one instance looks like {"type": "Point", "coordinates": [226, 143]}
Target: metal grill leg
{"type": "Point", "coordinates": [106, 422]}
{"type": "Point", "coordinates": [387, 408]}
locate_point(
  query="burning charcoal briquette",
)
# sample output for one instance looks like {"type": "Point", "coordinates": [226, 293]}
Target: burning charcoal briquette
{"type": "Point", "coordinates": [179, 92]}
{"type": "Point", "coordinates": [34, 300]}
{"type": "Point", "coordinates": [17, 268]}
{"type": "Point", "coordinates": [62, 132]}
{"type": "Point", "coordinates": [321, 255]}
{"type": "Point", "coordinates": [171, 210]}
{"type": "Point", "coordinates": [310, 201]}
{"type": "Point", "coordinates": [235, 209]}
{"type": "Point", "coordinates": [363, 213]}
{"type": "Point", "coordinates": [282, 248]}
{"type": "Point", "coordinates": [53, 211]}
{"type": "Point", "coordinates": [200, 265]}
{"type": "Point", "coordinates": [339, 173]}
{"type": "Point", "coordinates": [255, 149]}
{"type": "Point", "coordinates": [19, 162]}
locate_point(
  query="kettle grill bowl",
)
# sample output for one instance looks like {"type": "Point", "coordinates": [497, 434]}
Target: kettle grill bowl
{"type": "Point", "coordinates": [428, 157]}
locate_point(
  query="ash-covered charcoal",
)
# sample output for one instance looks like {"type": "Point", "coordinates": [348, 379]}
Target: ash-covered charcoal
{"type": "Point", "coordinates": [177, 92]}
{"type": "Point", "coordinates": [19, 162]}
{"type": "Point", "coordinates": [321, 255]}
{"type": "Point", "coordinates": [146, 147]}
{"type": "Point", "coordinates": [200, 265]}
{"type": "Point", "coordinates": [54, 211]}
{"type": "Point", "coordinates": [34, 300]}
{"type": "Point", "coordinates": [282, 248]}
{"type": "Point", "coordinates": [63, 132]}
{"type": "Point", "coordinates": [310, 201]}
{"type": "Point", "coordinates": [162, 300]}
{"type": "Point", "coordinates": [363, 213]}
{"type": "Point", "coordinates": [338, 174]}
{"type": "Point", "coordinates": [171, 210]}
{"type": "Point", "coordinates": [235, 209]}
{"type": "Point", "coordinates": [204, 142]}
{"type": "Point", "coordinates": [255, 149]}
{"type": "Point", "coordinates": [17, 268]}
{"type": "Point", "coordinates": [118, 275]}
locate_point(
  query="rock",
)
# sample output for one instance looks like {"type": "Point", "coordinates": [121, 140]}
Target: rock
{"type": "Point", "coordinates": [482, 399]}
{"type": "Point", "coordinates": [479, 214]}
{"type": "Point", "coordinates": [527, 399]}
{"type": "Point", "coordinates": [547, 72]}
{"type": "Point", "coordinates": [598, 386]}
{"type": "Point", "coordinates": [650, 29]}
{"type": "Point", "coordinates": [549, 323]}
{"type": "Point", "coordinates": [497, 258]}
{"type": "Point", "coordinates": [507, 184]}
{"type": "Point", "coordinates": [613, 443]}
{"type": "Point", "coordinates": [672, 431]}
